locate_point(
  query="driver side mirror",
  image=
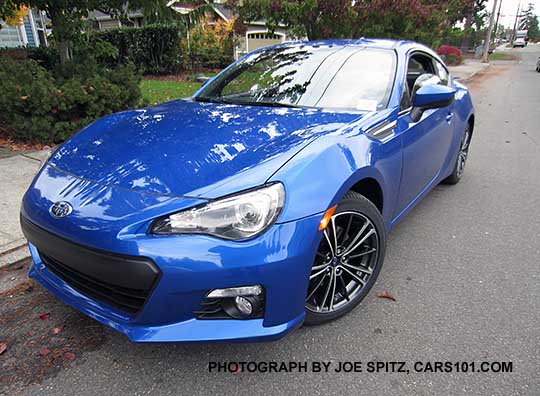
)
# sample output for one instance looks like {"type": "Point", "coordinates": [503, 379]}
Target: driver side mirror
{"type": "Point", "coordinates": [431, 96]}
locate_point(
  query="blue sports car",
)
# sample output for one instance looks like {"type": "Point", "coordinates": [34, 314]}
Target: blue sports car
{"type": "Point", "coordinates": [260, 203]}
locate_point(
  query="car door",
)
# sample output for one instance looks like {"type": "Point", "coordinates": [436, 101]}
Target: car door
{"type": "Point", "coordinates": [425, 142]}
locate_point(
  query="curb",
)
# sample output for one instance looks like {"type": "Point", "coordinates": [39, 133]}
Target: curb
{"type": "Point", "coordinates": [472, 75]}
{"type": "Point", "coordinates": [478, 72]}
{"type": "Point", "coordinates": [14, 255]}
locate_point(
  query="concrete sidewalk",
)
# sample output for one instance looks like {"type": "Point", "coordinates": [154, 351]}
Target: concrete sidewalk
{"type": "Point", "coordinates": [468, 69]}
{"type": "Point", "coordinates": [16, 173]}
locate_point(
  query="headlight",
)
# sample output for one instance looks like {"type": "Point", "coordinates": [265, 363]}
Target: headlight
{"type": "Point", "coordinates": [235, 217]}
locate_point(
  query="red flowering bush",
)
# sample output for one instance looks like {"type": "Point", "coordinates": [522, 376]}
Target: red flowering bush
{"type": "Point", "coordinates": [448, 50]}
{"type": "Point", "coordinates": [451, 55]}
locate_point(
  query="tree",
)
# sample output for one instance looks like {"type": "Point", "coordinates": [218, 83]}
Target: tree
{"type": "Point", "coordinates": [8, 9]}
{"type": "Point", "coordinates": [475, 15]}
{"type": "Point", "coordinates": [532, 23]}
{"type": "Point", "coordinates": [67, 16]}
{"type": "Point", "coordinates": [423, 20]}
{"type": "Point", "coordinates": [314, 19]}
{"type": "Point", "coordinates": [18, 15]}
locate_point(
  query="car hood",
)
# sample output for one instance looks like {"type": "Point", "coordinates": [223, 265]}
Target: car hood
{"type": "Point", "coordinates": [194, 149]}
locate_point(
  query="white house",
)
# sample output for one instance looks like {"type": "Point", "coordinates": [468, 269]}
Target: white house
{"type": "Point", "coordinates": [31, 33]}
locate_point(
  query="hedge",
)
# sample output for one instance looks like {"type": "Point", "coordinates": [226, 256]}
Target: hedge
{"type": "Point", "coordinates": [36, 106]}
{"type": "Point", "coordinates": [153, 49]}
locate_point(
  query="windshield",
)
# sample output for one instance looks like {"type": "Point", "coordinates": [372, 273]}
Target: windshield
{"type": "Point", "coordinates": [345, 77]}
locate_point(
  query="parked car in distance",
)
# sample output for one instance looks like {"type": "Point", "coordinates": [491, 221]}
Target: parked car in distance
{"type": "Point", "coordinates": [519, 42]}
{"type": "Point", "coordinates": [261, 203]}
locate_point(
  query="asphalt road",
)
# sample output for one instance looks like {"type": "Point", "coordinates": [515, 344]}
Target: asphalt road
{"type": "Point", "coordinates": [464, 267]}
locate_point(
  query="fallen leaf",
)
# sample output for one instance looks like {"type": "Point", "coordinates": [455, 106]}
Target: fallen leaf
{"type": "Point", "coordinates": [44, 316]}
{"type": "Point", "coordinates": [69, 355]}
{"type": "Point", "coordinates": [24, 97]}
{"type": "Point", "coordinates": [386, 294]}
{"type": "Point", "coordinates": [44, 351]}
{"type": "Point", "coordinates": [3, 347]}
{"type": "Point", "coordinates": [58, 330]}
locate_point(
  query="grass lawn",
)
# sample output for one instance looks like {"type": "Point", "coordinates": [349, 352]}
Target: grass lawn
{"type": "Point", "coordinates": [502, 56]}
{"type": "Point", "coordinates": [158, 91]}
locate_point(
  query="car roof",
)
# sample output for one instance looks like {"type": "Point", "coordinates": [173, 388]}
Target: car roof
{"type": "Point", "coordinates": [401, 46]}
{"type": "Point", "coordinates": [361, 42]}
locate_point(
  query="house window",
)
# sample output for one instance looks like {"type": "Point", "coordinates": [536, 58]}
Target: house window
{"type": "Point", "coordinates": [10, 36]}
{"type": "Point", "coordinates": [264, 36]}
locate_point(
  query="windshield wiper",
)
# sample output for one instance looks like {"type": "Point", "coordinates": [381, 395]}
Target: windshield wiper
{"type": "Point", "coordinates": [209, 100]}
{"type": "Point", "coordinates": [262, 103]}
{"type": "Point", "coordinates": [222, 100]}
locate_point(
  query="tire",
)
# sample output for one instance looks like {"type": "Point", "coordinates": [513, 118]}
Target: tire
{"type": "Point", "coordinates": [463, 153]}
{"type": "Point", "coordinates": [353, 211]}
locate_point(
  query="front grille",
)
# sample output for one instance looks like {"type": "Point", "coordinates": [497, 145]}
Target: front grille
{"type": "Point", "coordinates": [125, 299]}
{"type": "Point", "coordinates": [120, 281]}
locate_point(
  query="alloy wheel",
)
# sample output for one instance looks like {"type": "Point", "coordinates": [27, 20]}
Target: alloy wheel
{"type": "Point", "coordinates": [463, 152]}
{"type": "Point", "coordinates": [344, 263]}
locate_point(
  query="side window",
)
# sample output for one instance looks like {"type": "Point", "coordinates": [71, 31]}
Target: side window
{"type": "Point", "coordinates": [418, 64]}
{"type": "Point", "coordinates": [442, 73]}
{"type": "Point", "coordinates": [405, 98]}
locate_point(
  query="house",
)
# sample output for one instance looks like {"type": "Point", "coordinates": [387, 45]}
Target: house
{"type": "Point", "coordinates": [103, 21]}
{"type": "Point", "coordinates": [256, 35]}
{"type": "Point", "coordinates": [32, 32]}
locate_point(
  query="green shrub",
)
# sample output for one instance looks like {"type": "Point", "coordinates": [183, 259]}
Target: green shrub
{"type": "Point", "coordinates": [153, 49]}
{"type": "Point", "coordinates": [45, 56]}
{"type": "Point", "coordinates": [212, 46]}
{"type": "Point", "coordinates": [34, 106]}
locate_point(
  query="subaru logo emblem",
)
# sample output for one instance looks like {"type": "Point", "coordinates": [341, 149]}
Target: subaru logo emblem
{"type": "Point", "coordinates": [61, 209]}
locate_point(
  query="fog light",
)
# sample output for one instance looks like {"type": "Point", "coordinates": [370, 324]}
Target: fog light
{"type": "Point", "coordinates": [244, 305]}
{"type": "Point", "coordinates": [243, 302]}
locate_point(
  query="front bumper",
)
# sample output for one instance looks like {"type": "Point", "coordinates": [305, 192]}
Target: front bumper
{"type": "Point", "coordinates": [191, 265]}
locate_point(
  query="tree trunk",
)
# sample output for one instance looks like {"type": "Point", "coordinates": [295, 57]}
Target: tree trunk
{"type": "Point", "coordinates": [465, 42]}
{"type": "Point", "coordinates": [64, 49]}
{"type": "Point", "coordinates": [63, 42]}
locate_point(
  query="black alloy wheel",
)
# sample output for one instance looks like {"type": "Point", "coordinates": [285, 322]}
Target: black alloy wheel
{"type": "Point", "coordinates": [461, 159]}
{"type": "Point", "coordinates": [348, 260]}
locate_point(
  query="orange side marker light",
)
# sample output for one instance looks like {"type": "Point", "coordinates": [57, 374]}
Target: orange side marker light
{"type": "Point", "coordinates": [326, 218]}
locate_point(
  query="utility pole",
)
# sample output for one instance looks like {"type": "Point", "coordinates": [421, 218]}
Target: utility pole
{"type": "Point", "coordinates": [488, 35]}
{"type": "Point", "coordinates": [497, 22]}
{"type": "Point", "coordinates": [516, 21]}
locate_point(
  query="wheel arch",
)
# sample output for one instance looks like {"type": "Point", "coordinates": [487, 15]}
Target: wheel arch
{"type": "Point", "coordinates": [372, 190]}
{"type": "Point", "coordinates": [470, 121]}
